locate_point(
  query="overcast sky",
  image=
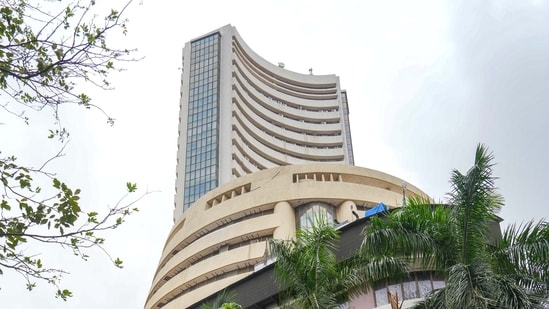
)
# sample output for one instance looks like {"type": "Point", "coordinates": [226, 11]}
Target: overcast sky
{"type": "Point", "coordinates": [426, 80]}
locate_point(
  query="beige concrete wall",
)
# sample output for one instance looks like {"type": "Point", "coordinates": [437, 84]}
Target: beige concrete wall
{"type": "Point", "coordinates": [265, 208]}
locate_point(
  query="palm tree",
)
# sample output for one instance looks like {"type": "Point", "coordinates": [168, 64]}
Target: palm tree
{"type": "Point", "coordinates": [311, 277]}
{"type": "Point", "coordinates": [454, 240]}
{"type": "Point", "coordinates": [223, 301]}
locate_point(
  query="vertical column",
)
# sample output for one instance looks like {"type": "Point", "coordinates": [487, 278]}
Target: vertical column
{"type": "Point", "coordinates": [345, 211]}
{"type": "Point", "coordinates": [349, 155]}
{"type": "Point", "coordinates": [286, 216]}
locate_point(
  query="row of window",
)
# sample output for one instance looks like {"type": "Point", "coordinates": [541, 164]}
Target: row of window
{"type": "Point", "coordinates": [276, 112]}
{"type": "Point", "coordinates": [202, 143]}
{"type": "Point", "coordinates": [203, 120]}
{"type": "Point", "coordinates": [195, 192]}
{"type": "Point", "coordinates": [203, 87]}
{"type": "Point", "coordinates": [248, 160]}
{"type": "Point", "coordinates": [205, 39]}
{"type": "Point", "coordinates": [204, 160]}
{"type": "Point", "coordinates": [244, 269]}
{"type": "Point", "coordinates": [270, 154]}
{"type": "Point", "coordinates": [199, 135]}
{"type": "Point", "coordinates": [221, 224]}
{"type": "Point", "coordinates": [201, 158]}
{"type": "Point", "coordinates": [206, 51]}
{"type": "Point", "coordinates": [419, 286]}
{"type": "Point", "coordinates": [204, 63]}
{"type": "Point", "coordinates": [202, 101]}
{"type": "Point", "coordinates": [302, 143]}
{"type": "Point", "coordinates": [202, 70]}
{"type": "Point", "coordinates": [201, 176]}
{"type": "Point", "coordinates": [205, 45]}
{"type": "Point", "coordinates": [203, 136]}
{"type": "Point", "coordinates": [204, 169]}
{"type": "Point", "coordinates": [200, 53]}
{"type": "Point", "coordinates": [199, 57]}
{"type": "Point", "coordinates": [202, 115]}
{"type": "Point", "coordinates": [269, 97]}
{"type": "Point", "coordinates": [201, 79]}
{"type": "Point", "coordinates": [273, 136]}
{"type": "Point", "coordinates": [201, 75]}
{"type": "Point", "coordinates": [274, 79]}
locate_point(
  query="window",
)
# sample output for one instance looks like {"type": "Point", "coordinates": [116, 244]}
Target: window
{"type": "Point", "coordinates": [307, 212]}
{"type": "Point", "coordinates": [419, 285]}
{"type": "Point", "coordinates": [202, 136]}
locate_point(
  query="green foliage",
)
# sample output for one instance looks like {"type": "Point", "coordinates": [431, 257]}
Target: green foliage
{"type": "Point", "coordinates": [63, 294]}
{"type": "Point", "coordinates": [48, 48]}
{"type": "Point", "coordinates": [455, 241]}
{"type": "Point", "coordinates": [232, 305]}
{"type": "Point", "coordinates": [132, 187]}
{"type": "Point", "coordinates": [224, 300]}
{"type": "Point", "coordinates": [310, 275]}
{"type": "Point", "coordinates": [29, 215]}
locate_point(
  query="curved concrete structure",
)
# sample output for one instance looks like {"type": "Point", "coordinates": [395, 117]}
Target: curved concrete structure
{"type": "Point", "coordinates": [223, 237]}
{"type": "Point", "coordinates": [240, 114]}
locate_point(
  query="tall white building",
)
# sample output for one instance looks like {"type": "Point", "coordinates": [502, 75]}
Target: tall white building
{"type": "Point", "coordinates": [260, 150]}
{"type": "Point", "coordinates": [241, 114]}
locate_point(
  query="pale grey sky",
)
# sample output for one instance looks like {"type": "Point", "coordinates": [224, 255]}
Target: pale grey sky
{"type": "Point", "coordinates": [426, 80]}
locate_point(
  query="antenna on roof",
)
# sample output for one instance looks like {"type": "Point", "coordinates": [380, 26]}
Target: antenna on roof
{"type": "Point", "coordinates": [281, 65]}
{"type": "Point", "coordinates": [311, 71]}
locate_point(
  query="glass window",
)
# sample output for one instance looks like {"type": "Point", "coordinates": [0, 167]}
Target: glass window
{"type": "Point", "coordinates": [424, 284]}
{"type": "Point", "coordinates": [418, 286]}
{"type": "Point", "coordinates": [396, 288]}
{"type": "Point", "coordinates": [201, 126]}
{"type": "Point", "coordinates": [424, 287]}
{"type": "Point", "coordinates": [410, 289]}
{"type": "Point", "coordinates": [437, 284]}
{"type": "Point", "coordinates": [307, 212]}
{"type": "Point", "coordinates": [381, 296]}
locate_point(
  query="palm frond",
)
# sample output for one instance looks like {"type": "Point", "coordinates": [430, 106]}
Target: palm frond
{"type": "Point", "coordinates": [306, 268]}
{"type": "Point", "coordinates": [510, 294]}
{"type": "Point", "coordinates": [225, 297]}
{"type": "Point", "coordinates": [474, 204]}
{"type": "Point", "coordinates": [435, 300]}
{"type": "Point", "coordinates": [523, 252]}
{"type": "Point", "coordinates": [417, 233]}
{"type": "Point", "coordinates": [470, 286]}
{"type": "Point", "coordinates": [479, 272]}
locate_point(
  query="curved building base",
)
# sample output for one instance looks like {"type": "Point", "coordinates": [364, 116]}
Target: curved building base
{"type": "Point", "coordinates": [222, 238]}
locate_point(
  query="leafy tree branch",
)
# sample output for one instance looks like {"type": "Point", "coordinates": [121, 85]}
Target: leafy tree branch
{"type": "Point", "coordinates": [50, 51]}
{"type": "Point", "coordinates": [45, 55]}
{"type": "Point", "coordinates": [28, 214]}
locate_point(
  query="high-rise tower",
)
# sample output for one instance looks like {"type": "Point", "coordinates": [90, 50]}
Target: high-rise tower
{"type": "Point", "coordinates": [256, 151]}
{"type": "Point", "coordinates": [241, 114]}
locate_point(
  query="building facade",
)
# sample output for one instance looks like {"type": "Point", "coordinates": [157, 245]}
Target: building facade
{"type": "Point", "coordinates": [260, 150]}
{"type": "Point", "coordinates": [223, 237]}
{"type": "Point", "coordinates": [240, 114]}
